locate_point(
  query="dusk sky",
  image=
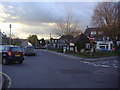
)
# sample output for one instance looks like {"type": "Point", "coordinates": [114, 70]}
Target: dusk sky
{"type": "Point", "coordinates": [40, 17]}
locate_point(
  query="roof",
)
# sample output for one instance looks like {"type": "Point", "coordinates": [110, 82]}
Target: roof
{"type": "Point", "coordinates": [92, 29]}
{"type": "Point", "coordinates": [9, 45]}
{"type": "Point", "coordinates": [66, 37]}
{"type": "Point", "coordinates": [81, 37]}
{"type": "Point", "coordinates": [98, 32]}
{"type": "Point", "coordinates": [54, 39]}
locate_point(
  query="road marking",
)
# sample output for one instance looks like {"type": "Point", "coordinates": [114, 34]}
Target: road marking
{"type": "Point", "coordinates": [10, 81]}
{"type": "Point", "coordinates": [105, 66]}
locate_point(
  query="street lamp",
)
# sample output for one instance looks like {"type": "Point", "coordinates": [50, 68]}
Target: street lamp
{"type": "Point", "coordinates": [10, 35]}
{"type": "Point", "coordinates": [0, 37]}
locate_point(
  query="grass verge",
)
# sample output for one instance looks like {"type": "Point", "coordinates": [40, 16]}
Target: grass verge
{"type": "Point", "coordinates": [98, 54]}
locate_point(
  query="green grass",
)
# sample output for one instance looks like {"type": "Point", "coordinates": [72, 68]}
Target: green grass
{"type": "Point", "coordinates": [55, 50]}
{"type": "Point", "coordinates": [98, 54]}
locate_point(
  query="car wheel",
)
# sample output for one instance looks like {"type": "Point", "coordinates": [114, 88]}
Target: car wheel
{"type": "Point", "coordinates": [4, 61]}
{"type": "Point", "coordinates": [20, 61]}
{"type": "Point", "coordinates": [25, 54]}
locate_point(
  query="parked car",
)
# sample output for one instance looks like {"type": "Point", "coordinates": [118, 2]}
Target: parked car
{"type": "Point", "coordinates": [30, 50]}
{"type": "Point", "coordinates": [42, 47]}
{"type": "Point", "coordinates": [104, 49]}
{"type": "Point", "coordinates": [11, 54]}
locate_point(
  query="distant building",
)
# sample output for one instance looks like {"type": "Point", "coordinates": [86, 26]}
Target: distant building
{"type": "Point", "coordinates": [102, 42]}
{"type": "Point", "coordinates": [4, 40]}
{"type": "Point", "coordinates": [75, 33]}
{"type": "Point", "coordinates": [0, 38]}
{"type": "Point", "coordinates": [67, 38]}
{"type": "Point", "coordinates": [41, 43]}
{"type": "Point", "coordinates": [81, 41]}
{"type": "Point", "coordinates": [56, 44]}
{"type": "Point", "coordinates": [25, 43]}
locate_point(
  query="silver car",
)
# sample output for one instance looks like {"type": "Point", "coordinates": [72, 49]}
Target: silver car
{"type": "Point", "coordinates": [30, 50]}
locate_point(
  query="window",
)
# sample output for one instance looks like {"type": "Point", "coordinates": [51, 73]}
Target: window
{"type": "Point", "coordinates": [108, 38]}
{"type": "Point", "coordinates": [15, 49]}
{"type": "Point", "coordinates": [29, 48]}
{"type": "Point", "coordinates": [88, 46]}
{"type": "Point", "coordinates": [55, 41]}
{"type": "Point", "coordinates": [3, 48]}
{"type": "Point", "coordinates": [52, 41]}
{"type": "Point", "coordinates": [107, 47]}
{"type": "Point", "coordinates": [103, 47]}
{"type": "Point", "coordinates": [40, 41]}
{"type": "Point", "coordinates": [93, 32]}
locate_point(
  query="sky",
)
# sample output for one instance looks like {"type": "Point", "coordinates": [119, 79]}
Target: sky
{"type": "Point", "coordinates": [39, 18]}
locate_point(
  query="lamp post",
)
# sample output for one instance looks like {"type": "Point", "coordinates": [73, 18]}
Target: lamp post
{"type": "Point", "coordinates": [0, 37]}
{"type": "Point", "coordinates": [10, 35]}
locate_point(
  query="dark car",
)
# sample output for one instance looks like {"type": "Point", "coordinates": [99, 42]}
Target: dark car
{"type": "Point", "coordinates": [29, 50]}
{"type": "Point", "coordinates": [11, 54]}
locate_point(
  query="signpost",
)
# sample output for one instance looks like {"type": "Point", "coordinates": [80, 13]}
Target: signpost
{"type": "Point", "coordinates": [10, 35]}
{"type": "Point", "coordinates": [91, 38]}
{"type": "Point", "coordinates": [91, 45]}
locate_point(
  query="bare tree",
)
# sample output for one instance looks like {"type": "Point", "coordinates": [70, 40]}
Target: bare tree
{"type": "Point", "coordinates": [67, 25]}
{"type": "Point", "coordinates": [106, 17]}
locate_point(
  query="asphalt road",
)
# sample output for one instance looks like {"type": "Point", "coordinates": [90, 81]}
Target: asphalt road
{"type": "Point", "coordinates": [48, 70]}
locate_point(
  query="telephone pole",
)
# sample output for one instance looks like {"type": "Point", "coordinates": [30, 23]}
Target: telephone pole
{"type": "Point", "coordinates": [50, 36]}
{"type": "Point", "coordinates": [10, 35]}
{"type": "Point", "coordinates": [0, 37]}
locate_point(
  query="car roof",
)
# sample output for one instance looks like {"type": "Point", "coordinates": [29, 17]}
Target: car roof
{"type": "Point", "coordinates": [29, 46]}
{"type": "Point", "coordinates": [9, 46]}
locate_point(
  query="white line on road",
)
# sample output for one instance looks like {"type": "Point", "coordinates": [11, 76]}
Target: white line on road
{"type": "Point", "coordinates": [10, 81]}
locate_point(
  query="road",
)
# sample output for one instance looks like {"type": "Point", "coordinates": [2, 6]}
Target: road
{"type": "Point", "coordinates": [48, 70]}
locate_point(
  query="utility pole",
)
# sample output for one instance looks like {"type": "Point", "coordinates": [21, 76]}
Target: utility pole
{"type": "Point", "coordinates": [50, 35]}
{"type": "Point", "coordinates": [0, 37]}
{"type": "Point", "coordinates": [10, 35]}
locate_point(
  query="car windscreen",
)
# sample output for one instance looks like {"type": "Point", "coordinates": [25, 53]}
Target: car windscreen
{"type": "Point", "coordinates": [30, 48]}
{"type": "Point", "coordinates": [16, 49]}
{"type": "Point", "coordinates": [2, 48]}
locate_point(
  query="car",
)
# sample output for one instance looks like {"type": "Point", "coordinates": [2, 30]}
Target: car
{"type": "Point", "coordinates": [104, 49]}
{"type": "Point", "coordinates": [11, 54]}
{"type": "Point", "coordinates": [30, 50]}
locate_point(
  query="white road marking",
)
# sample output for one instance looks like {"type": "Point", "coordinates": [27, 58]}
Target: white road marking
{"type": "Point", "coordinates": [105, 66]}
{"type": "Point", "coordinates": [10, 81]}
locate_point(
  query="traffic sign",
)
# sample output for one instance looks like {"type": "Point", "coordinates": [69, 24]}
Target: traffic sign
{"type": "Point", "coordinates": [91, 38]}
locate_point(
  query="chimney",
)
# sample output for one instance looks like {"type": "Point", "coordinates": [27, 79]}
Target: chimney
{"type": "Point", "coordinates": [87, 27]}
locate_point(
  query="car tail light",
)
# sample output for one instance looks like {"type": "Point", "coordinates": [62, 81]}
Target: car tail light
{"type": "Point", "coordinates": [9, 53]}
{"type": "Point", "coordinates": [17, 51]}
{"type": "Point", "coordinates": [23, 53]}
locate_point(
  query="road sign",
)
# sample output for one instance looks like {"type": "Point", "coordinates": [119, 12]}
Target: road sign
{"type": "Point", "coordinates": [91, 38]}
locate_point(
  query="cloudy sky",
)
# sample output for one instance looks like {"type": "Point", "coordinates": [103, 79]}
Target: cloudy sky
{"type": "Point", "coordinates": [40, 17]}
